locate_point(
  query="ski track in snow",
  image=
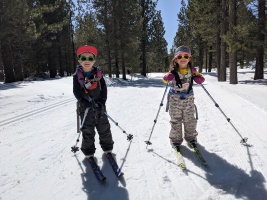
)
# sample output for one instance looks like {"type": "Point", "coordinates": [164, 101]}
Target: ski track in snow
{"type": "Point", "coordinates": [38, 128]}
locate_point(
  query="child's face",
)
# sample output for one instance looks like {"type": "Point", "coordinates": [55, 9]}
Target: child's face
{"type": "Point", "coordinates": [87, 60]}
{"type": "Point", "coordinates": [183, 60]}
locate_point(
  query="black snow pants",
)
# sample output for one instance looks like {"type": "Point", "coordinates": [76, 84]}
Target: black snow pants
{"type": "Point", "coordinates": [101, 124]}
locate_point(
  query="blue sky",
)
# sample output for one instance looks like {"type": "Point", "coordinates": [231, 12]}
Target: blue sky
{"type": "Point", "coordinates": [169, 10]}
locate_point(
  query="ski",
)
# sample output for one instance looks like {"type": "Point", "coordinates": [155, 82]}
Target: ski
{"type": "Point", "coordinates": [98, 173]}
{"type": "Point", "coordinates": [199, 156]}
{"type": "Point", "coordinates": [114, 165]}
{"type": "Point", "coordinates": [180, 159]}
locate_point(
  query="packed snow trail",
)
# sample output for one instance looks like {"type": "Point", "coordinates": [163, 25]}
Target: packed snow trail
{"type": "Point", "coordinates": [37, 163]}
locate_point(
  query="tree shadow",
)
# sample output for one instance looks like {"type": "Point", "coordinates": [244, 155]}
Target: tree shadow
{"type": "Point", "coordinates": [21, 84]}
{"type": "Point", "coordinates": [141, 83]}
{"type": "Point", "coordinates": [7, 86]}
{"type": "Point", "coordinates": [229, 178]}
{"type": "Point", "coordinates": [256, 82]}
{"type": "Point", "coordinates": [110, 189]}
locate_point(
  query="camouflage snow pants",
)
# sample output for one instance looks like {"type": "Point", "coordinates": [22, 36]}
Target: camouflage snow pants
{"type": "Point", "coordinates": [182, 113]}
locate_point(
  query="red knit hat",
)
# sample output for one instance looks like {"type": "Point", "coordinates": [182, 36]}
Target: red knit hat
{"type": "Point", "coordinates": [87, 49]}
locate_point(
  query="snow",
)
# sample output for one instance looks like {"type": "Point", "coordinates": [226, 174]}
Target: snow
{"type": "Point", "coordinates": [38, 128]}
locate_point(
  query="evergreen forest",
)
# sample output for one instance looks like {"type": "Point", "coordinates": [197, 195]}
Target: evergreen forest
{"type": "Point", "coordinates": [41, 36]}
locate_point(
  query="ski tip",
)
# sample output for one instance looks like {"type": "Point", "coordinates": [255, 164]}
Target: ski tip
{"type": "Point", "coordinates": [182, 166]}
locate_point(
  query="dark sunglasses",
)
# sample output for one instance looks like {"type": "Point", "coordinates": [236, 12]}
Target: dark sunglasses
{"type": "Point", "coordinates": [183, 56]}
{"type": "Point", "coordinates": [84, 58]}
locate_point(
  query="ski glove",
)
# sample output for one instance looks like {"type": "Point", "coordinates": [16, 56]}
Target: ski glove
{"type": "Point", "coordinates": [168, 77]}
{"type": "Point", "coordinates": [85, 103]}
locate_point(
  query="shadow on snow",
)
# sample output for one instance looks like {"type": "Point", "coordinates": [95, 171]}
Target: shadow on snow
{"type": "Point", "coordinates": [225, 176]}
{"type": "Point", "coordinates": [102, 191]}
{"type": "Point", "coordinates": [229, 178]}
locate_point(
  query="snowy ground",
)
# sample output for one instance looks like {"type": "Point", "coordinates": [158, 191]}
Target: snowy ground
{"type": "Point", "coordinates": [38, 128]}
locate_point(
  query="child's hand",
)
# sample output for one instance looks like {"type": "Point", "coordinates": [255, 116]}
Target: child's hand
{"type": "Point", "coordinates": [85, 103]}
{"type": "Point", "coordinates": [168, 77]}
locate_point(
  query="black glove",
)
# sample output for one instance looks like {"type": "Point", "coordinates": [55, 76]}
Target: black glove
{"type": "Point", "coordinates": [85, 103]}
{"type": "Point", "coordinates": [100, 108]}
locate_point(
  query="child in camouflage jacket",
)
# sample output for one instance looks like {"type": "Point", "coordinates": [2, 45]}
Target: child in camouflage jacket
{"type": "Point", "coordinates": [181, 97]}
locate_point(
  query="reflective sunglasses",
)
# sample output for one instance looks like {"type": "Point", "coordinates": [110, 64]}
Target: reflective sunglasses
{"type": "Point", "coordinates": [183, 56]}
{"type": "Point", "coordinates": [84, 58]}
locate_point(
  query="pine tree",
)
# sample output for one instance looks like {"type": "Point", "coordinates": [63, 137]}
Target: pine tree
{"type": "Point", "coordinates": [15, 38]}
{"type": "Point", "coordinates": [183, 34]}
{"type": "Point", "coordinates": [147, 14]}
{"type": "Point", "coordinates": [157, 44]}
{"type": "Point", "coordinates": [232, 48]}
{"type": "Point", "coordinates": [260, 39]}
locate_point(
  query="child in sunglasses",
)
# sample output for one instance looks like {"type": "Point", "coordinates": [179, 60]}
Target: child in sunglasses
{"type": "Point", "coordinates": [89, 88]}
{"type": "Point", "coordinates": [181, 97]}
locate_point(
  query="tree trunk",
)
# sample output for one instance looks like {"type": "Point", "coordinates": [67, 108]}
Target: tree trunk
{"type": "Point", "coordinates": [143, 41]}
{"type": "Point", "coordinates": [107, 37]}
{"type": "Point", "coordinates": [206, 58]}
{"type": "Point", "coordinates": [17, 66]}
{"type": "Point", "coordinates": [259, 74]}
{"type": "Point", "coordinates": [60, 61]}
{"type": "Point", "coordinates": [7, 61]}
{"type": "Point", "coordinates": [74, 57]}
{"type": "Point", "coordinates": [123, 66]}
{"type": "Point", "coordinates": [201, 54]}
{"type": "Point", "coordinates": [116, 38]}
{"type": "Point", "coordinates": [218, 41]}
{"type": "Point", "coordinates": [67, 63]}
{"type": "Point", "coordinates": [210, 59]}
{"type": "Point", "coordinates": [51, 65]}
{"type": "Point", "coordinates": [143, 56]}
{"type": "Point", "coordinates": [232, 53]}
{"type": "Point", "coordinates": [233, 67]}
{"type": "Point", "coordinates": [223, 44]}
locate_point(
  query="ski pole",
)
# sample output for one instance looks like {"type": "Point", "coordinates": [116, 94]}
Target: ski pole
{"type": "Point", "coordinates": [155, 120]}
{"type": "Point", "coordinates": [78, 117]}
{"type": "Point", "coordinates": [129, 136]}
{"type": "Point", "coordinates": [243, 140]}
{"type": "Point", "coordinates": [74, 149]}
